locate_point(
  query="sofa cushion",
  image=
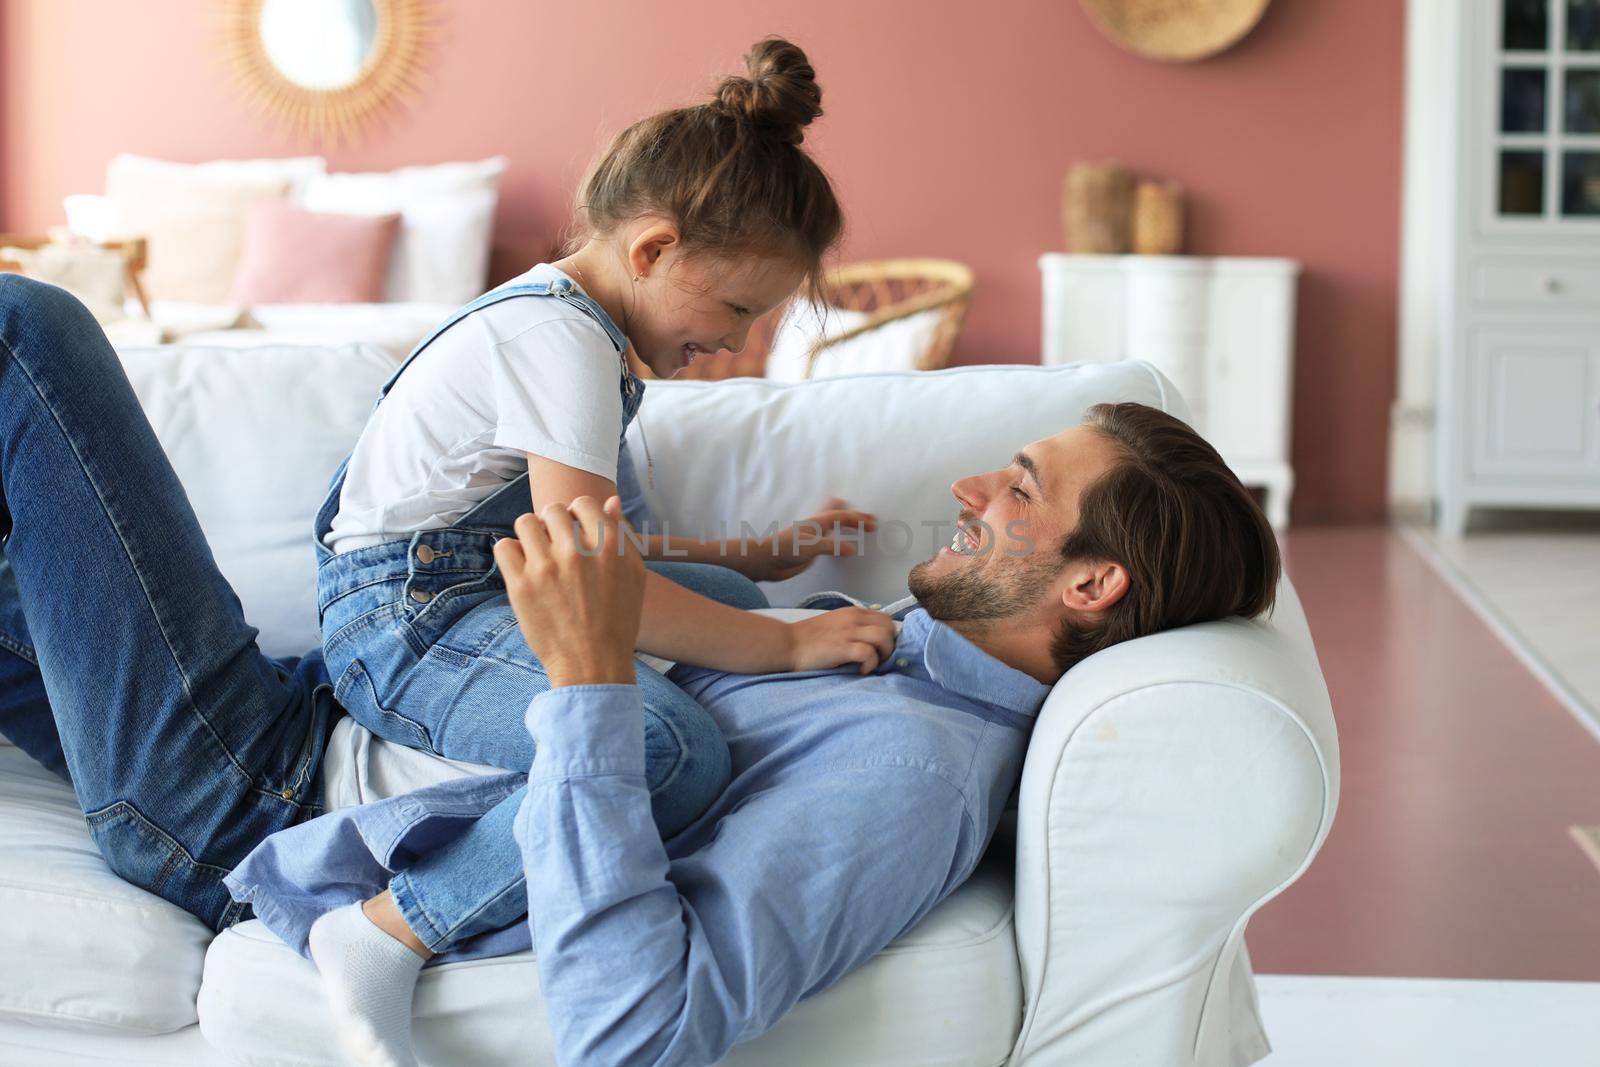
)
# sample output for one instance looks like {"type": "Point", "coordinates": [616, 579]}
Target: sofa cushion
{"type": "Point", "coordinates": [255, 434]}
{"type": "Point", "coordinates": [948, 992]}
{"type": "Point", "coordinates": [100, 954]}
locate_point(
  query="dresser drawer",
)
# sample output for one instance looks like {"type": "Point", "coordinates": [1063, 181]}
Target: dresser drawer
{"type": "Point", "coordinates": [1535, 283]}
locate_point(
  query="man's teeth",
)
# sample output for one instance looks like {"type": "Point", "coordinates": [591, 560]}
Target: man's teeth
{"type": "Point", "coordinates": [964, 542]}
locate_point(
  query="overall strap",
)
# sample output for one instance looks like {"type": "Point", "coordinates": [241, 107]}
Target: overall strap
{"type": "Point", "coordinates": [562, 289]}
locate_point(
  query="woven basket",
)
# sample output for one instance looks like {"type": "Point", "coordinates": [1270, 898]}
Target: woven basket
{"type": "Point", "coordinates": [1175, 31]}
{"type": "Point", "coordinates": [892, 289]}
{"type": "Point", "coordinates": [888, 290]}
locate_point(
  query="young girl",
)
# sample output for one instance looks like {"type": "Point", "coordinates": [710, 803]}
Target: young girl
{"type": "Point", "coordinates": [697, 221]}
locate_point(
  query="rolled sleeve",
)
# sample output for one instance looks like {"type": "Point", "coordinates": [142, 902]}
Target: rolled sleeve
{"type": "Point", "coordinates": [557, 388]}
{"type": "Point", "coordinates": [587, 730]}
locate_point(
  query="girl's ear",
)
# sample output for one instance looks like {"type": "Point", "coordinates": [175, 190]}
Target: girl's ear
{"type": "Point", "coordinates": [652, 239]}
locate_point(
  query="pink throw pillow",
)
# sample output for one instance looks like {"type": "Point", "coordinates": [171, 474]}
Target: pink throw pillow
{"type": "Point", "coordinates": [294, 256]}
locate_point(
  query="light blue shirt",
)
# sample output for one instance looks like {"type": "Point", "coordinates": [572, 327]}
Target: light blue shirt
{"type": "Point", "coordinates": [857, 803]}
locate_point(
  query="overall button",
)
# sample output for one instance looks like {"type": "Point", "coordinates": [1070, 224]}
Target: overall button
{"type": "Point", "coordinates": [287, 794]}
{"type": "Point", "coordinates": [421, 596]}
{"type": "Point", "coordinates": [424, 554]}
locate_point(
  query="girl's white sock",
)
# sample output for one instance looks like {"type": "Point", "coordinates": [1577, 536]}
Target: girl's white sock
{"type": "Point", "coordinates": [369, 977]}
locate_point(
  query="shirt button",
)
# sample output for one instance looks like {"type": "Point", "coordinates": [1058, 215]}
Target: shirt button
{"type": "Point", "coordinates": [902, 663]}
{"type": "Point", "coordinates": [875, 607]}
{"type": "Point", "coordinates": [421, 596]}
{"type": "Point", "coordinates": [424, 554]}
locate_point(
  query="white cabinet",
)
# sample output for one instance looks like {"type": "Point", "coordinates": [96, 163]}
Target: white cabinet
{"type": "Point", "coordinates": [1221, 328]}
{"type": "Point", "coordinates": [1519, 381]}
{"type": "Point", "coordinates": [1535, 395]}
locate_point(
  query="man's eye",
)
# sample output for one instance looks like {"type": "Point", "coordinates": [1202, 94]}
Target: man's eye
{"type": "Point", "coordinates": [1018, 490]}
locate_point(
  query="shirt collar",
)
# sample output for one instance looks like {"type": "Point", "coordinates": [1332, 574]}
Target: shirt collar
{"type": "Point", "coordinates": [962, 667]}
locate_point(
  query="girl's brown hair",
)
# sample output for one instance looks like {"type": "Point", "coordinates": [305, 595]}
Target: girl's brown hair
{"type": "Point", "coordinates": [730, 172]}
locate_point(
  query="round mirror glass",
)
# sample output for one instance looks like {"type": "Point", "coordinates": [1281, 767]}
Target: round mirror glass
{"type": "Point", "coordinates": [319, 44]}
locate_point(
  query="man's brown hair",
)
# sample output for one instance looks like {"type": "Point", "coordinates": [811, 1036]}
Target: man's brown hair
{"type": "Point", "coordinates": [730, 172]}
{"type": "Point", "coordinates": [1193, 540]}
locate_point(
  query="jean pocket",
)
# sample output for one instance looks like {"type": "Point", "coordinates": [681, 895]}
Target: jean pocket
{"type": "Point", "coordinates": [358, 695]}
{"type": "Point", "coordinates": [142, 853]}
{"type": "Point", "coordinates": [452, 616]}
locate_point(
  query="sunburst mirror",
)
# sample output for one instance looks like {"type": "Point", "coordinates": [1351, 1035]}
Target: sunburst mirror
{"type": "Point", "coordinates": [328, 68]}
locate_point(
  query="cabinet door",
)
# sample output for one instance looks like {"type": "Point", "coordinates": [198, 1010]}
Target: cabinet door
{"type": "Point", "coordinates": [1535, 403]}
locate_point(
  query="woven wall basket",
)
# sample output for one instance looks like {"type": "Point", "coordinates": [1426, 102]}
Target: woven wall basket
{"type": "Point", "coordinates": [1175, 31]}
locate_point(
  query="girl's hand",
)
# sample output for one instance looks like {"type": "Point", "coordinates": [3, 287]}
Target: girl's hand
{"type": "Point", "coordinates": [843, 635]}
{"type": "Point", "coordinates": [834, 531]}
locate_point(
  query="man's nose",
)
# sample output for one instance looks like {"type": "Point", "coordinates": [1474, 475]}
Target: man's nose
{"type": "Point", "coordinates": [969, 491]}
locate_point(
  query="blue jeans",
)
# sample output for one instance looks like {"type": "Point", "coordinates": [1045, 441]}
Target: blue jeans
{"type": "Point", "coordinates": [125, 661]}
{"type": "Point", "coordinates": [476, 883]}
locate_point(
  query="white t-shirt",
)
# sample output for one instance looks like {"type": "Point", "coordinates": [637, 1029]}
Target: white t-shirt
{"type": "Point", "coordinates": [529, 374]}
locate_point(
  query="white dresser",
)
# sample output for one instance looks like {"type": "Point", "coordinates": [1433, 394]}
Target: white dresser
{"type": "Point", "coordinates": [1221, 328]}
{"type": "Point", "coordinates": [1519, 368]}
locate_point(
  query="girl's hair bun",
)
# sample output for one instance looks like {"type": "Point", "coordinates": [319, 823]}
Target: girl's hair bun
{"type": "Point", "coordinates": [779, 96]}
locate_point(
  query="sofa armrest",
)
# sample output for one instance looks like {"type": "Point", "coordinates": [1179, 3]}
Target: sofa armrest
{"type": "Point", "coordinates": [1172, 786]}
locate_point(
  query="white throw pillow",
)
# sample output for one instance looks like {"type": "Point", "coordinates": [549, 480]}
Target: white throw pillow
{"type": "Point", "coordinates": [446, 221]}
{"type": "Point", "coordinates": [892, 346]}
{"type": "Point", "coordinates": [804, 323]}
{"type": "Point", "coordinates": [193, 216]}
{"type": "Point", "coordinates": [295, 171]}
{"type": "Point", "coordinates": [92, 216]}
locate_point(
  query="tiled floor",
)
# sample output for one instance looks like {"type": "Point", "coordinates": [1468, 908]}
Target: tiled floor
{"type": "Point", "coordinates": [1538, 575]}
{"type": "Point", "coordinates": [1461, 773]}
{"type": "Point", "coordinates": [1389, 1022]}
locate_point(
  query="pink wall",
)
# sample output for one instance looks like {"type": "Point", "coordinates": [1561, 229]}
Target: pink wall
{"type": "Point", "coordinates": [949, 127]}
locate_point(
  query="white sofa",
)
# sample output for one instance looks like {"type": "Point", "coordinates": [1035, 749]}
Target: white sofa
{"type": "Point", "coordinates": [1173, 785]}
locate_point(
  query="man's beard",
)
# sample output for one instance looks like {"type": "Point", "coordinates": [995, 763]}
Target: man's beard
{"type": "Point", "coordinates": [968, 594]}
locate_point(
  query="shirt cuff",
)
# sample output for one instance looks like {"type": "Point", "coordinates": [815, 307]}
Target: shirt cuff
{"type": "Point", "coordinates": [581, 730]}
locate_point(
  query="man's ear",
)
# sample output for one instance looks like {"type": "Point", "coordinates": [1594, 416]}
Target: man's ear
{"type": "Point", "coordinates": [649, 243]}
{"type": "Point", "coordinates": [1093, 587]}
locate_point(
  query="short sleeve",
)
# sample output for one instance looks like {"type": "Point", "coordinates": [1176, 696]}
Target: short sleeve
{"type": "Point", "coordinates": [557, 389]}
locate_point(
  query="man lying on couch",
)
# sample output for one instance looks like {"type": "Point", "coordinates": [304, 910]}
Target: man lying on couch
{"type": "Point", "coordinates": [858, 802]}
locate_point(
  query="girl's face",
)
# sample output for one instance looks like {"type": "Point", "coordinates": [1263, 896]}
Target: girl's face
{"type": "Point", "coordinates": [695, 305]}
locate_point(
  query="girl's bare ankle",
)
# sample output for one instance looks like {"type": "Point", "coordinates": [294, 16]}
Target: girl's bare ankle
{"type": "Point", "coordinates": [385, 915]}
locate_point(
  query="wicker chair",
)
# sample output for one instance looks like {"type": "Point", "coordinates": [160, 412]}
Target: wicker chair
{"type": "Point", "coordinates": [893, 289]}
{"type": "Point", "coordinates": [888, 290]}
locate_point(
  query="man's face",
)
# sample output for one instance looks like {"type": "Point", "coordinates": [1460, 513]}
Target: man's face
{"type": "Point", "coordinates": [1005, 558]}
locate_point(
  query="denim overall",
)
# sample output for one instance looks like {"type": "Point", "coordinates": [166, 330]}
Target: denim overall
{"type": "Point", "coordinates": [424, 649]}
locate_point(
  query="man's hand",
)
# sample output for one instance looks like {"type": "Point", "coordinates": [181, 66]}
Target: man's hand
{"type": "Point", "coordinates": [836, 530]}
{"type": "Point", "coordinates": [576, 583]}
